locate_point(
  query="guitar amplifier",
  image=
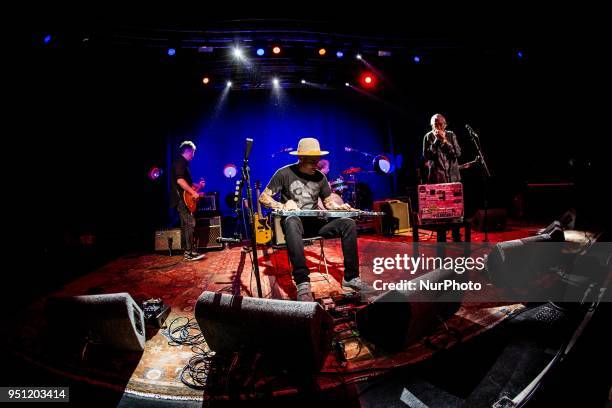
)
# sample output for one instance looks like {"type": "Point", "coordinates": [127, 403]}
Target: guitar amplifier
{"type": "Point", "coordinates": [396, 218]}
{"type": "Point", "coordinates": [206, 232]}
{"type": "Point", "coordinates": [168, 239]}
{"type": "Point", "coordinates": [277, 229]}
{"type": "Point", "coordinates": [440, 202]}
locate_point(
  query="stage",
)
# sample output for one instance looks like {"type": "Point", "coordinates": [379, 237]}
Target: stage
{"type": "Point", "coordinates": [156, 373]}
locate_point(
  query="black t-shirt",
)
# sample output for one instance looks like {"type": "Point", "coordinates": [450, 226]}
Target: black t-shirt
{"type": "Point", "coordinates": [180, 169]}
{"type": "Point", "coordinates": [302, 188]}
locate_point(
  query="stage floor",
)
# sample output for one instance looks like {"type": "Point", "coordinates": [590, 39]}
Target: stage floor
{"type": "Point", "coordinates": [156, 372]}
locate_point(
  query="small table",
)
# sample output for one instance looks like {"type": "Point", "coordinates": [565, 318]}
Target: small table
{"type": "Point", "coordinates": [441, 228]}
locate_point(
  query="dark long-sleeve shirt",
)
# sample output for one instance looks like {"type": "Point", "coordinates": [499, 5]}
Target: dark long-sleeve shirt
{"type": "Point", "coordinates": [442, 158]}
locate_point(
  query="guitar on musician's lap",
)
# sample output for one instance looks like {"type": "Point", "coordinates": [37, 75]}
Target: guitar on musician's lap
{"type": "Point", "coordinates": [263, 230]}
{"type": "Point", "coordinates": [190, 201]}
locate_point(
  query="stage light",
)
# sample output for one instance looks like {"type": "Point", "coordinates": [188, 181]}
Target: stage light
{"type": "Point", "coordinates": [416, 59]}
{"type": "Point", "coordinates": [358, 56]}
{"type": "Point", "coordinates": [275, 82]}
{"type": "Point", "coordinates": [339, 54]}
{"type": "Point", "coordinates": [347, 84]}
{"type": "Point", "coordinates": [260, 51]}
{"type": "Point", "coordinates": [171, 51]}
{"type": "Point", "coordinates": [276, 50]}
{"type": "Point", "coordinates": [237, 53]}
{"type": "Point", "coordinates": [206, 80]}
{"type": "Point", "coordinates": [303, 81]}
{"type": "Point", "coordinates": [382, 165]}
{"type": "Point", "coordinates": [230, 170]}
{"type": "Point", "coordinates": [154, 173]}
{"type": "Point", "coordinates": [368, 80]}
{"type": "Point", "coordinates": [519, 54]}
{"type": "Point", "coordinates": [47, 39]}
{"type": "Point", "coordinates": [229, 84]}
{"type": "Point", "coordinates": [322, 51]}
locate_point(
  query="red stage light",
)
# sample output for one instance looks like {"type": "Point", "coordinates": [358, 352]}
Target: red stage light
{"type": "Point", "coordinates": [276, 50]}
{"type": "Point", "coordinates": [368, 80]}
{"type": "Point", "coordinates": [322, 51]}
{"type": "Point", "coordinates": [206, 80]}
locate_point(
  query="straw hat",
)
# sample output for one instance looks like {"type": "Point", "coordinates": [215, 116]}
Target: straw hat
{"type": "Point", "coordinates": [308, 146]}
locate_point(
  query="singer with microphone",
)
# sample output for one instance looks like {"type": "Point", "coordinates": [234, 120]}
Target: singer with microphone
{"type": "Point", "coordinates": [441, 151]}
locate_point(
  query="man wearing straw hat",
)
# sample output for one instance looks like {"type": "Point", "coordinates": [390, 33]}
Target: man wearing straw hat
{"type": "Point", "coordinates": [300, 186]}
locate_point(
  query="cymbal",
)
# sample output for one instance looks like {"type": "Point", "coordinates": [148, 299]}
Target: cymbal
{"type": "Point", "coordinates": [352, 170]}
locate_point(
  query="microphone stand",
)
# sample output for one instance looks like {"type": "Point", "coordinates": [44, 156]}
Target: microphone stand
{"type": "Point", "coordinates": [246, 179]}
{"type": "Point", "coordinates": [486, 177]}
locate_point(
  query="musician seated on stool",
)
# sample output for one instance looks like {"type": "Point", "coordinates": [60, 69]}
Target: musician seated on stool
{"type": "Point", "coordinates": [180, 180]}
{"type": "Point", "coordinates": [441, 149]}
{"type": "Point", "coordinates": [300, 185]}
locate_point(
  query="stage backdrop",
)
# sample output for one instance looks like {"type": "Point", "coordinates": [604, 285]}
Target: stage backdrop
{"type": "Point", "coordinates": [276, 121]}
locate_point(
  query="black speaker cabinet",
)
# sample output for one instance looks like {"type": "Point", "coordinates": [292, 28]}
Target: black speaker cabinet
{"type": "Point", "coordinates": [396, 319]}
{"type": "Point", "coordinates": [113, 320]}
{"type": "Point", "coordinates": [207, 230]}
{"type": "Point", "coordinates": [294, 335]}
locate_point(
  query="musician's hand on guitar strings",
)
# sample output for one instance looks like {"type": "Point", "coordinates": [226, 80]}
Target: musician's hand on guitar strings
{"type": "Point", "coordinates": [195, 194]}
{"type": "Point", "coordinates": [290, 206]}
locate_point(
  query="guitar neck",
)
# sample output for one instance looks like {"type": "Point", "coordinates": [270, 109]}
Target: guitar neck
{"type": "Point", "coordinates": [258, 203]}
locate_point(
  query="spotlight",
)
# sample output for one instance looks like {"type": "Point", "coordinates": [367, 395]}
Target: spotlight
{"type": "Point", "coordinates": [303, 81]}
{"type": "Point", "coordinates": [206, 80]}
{"type": "Point", "coordinates": [322, 51]}
{"type": "Point", "coordinates": [229, 84]}
{"type": "Point", "coordinates": [260, 51]}
{"type": "Point", "coordinates": [339, 54]}
{"type": "Point", "coordinates": [230, 170]}
{"type": "Point", "coordinates": [358, 56]}
{"type": "Point", "coordinates": [154, 173]}
{"type": "Point", "coordinates": [416, 59]}
{"type": "Point", "coordinates": [237, 53]}
{"type": "Point", "coordinates": [382, 165]}
{"type": "Point", "coordinates": [347, 84]}
{"type": "Point", "coordinates": [47, 39]}
{"type": "Point", "coordinates": [276, 50]}
{"type": "Point", "coordinates": [368, 80]}
{"type": "Point", "coordinates": [171, 51]}
{"type": "Point", "coordinates": [519, 54]}
{"type": "Point", "coordinates": [275, 82]}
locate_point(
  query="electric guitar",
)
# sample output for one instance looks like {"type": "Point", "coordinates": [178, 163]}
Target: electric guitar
{"type": "Point", "coordinates": [263, 230]}
{"type": "Point", "coordinates": [469, 164]}
{"type": "Point", "coordinates": [190, 201]}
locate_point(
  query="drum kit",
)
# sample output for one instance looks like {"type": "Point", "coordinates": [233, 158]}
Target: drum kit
{"type": "Point", "coordinates": [346, 187]}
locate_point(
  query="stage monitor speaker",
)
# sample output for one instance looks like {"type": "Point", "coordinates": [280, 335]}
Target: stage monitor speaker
{"type": "Point", "coordinates": [291, 334]}
{"type": "Point", "coordinates": [168, 239]}
{"type": "Point", "coordinates": [513, 264]}
{"type": "Point", "coordinates": [207, 230]}
{"type": "Point", "coordinates": [496, 219]}
{"type": "Point", "coordinates": [396, 219]}
{"type": "Point", "coordinates": [396, 319]}
{"type": "Point", "coordinates": [112, 320]}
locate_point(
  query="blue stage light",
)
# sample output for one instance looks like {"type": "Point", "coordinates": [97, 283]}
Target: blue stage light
{"type": "Point", "coordinates": [47, 39]}
{"type": "Point", "coordinates": [339, 54]}
{"type": "Point", "coordinates": [260, 51]}
{"type": "Point", "coordinates": [171, 51]}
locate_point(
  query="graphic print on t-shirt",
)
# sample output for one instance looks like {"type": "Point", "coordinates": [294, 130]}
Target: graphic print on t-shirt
{"type": "Point", "coordinates": [304, 195]}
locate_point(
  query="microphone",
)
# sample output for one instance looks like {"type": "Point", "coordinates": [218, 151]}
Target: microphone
{"type": "Point", "coordinates": [247, 152]}
{"type": "Point", "coordinates": [469, 128]}
{"type": "Point", "coordinates": [286, 149]}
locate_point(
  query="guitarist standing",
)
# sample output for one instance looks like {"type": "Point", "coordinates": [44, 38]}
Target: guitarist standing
{"type": "Point", "coordinates": [181, 181]}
